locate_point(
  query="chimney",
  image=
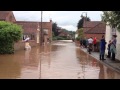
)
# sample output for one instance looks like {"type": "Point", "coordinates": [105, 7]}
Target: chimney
{"type": "Point", "coordinates": [50, 20]}
{"type": "Point", "coordinates": [84, 22]}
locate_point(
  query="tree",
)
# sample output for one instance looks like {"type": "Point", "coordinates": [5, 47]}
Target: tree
{"type": "Point", "coordinates": [9, 34]}
{"type": "Point", "coordinates": [108, 17]}
{"type": "Point", "coordinates": [53, 35]}
{"type": "Point", "coordinates": [112, 18]}
{"type": "Point", "coordinates": [80, 33]}
{"type": "Point", "coordinates": [117, 19]}
{"type": "Point", "coordinates": [54, 29]}
{"type": "Point", "coordinates": [72, 33]}
{"type": "Point", "coordinates": [81, 21]}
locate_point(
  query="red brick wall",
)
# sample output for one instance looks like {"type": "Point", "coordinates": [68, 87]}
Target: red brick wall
{"type": "Point", "coordinates": [10, 17]}
{"type": "Point", "coordinates": [21, 45]}
{"type": "Point", "coordinates": [31, 27]}
{"type": "Point", "coordinates": [98, 36]}
{"type": "Point", "coordinates": [47, 25]}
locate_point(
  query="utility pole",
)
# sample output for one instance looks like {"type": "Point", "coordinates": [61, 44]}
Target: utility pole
{"type": "Point", "coordinates": [41, 31]}
{"type": "Point", "coordinates": [41, 40]}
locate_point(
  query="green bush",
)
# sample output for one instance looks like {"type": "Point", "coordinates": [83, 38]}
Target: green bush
{"type": "Point", "coordinates": [60, 38]}
{"type": "Point", "coordinates": [77, 38]}
{"type": "Point", "coordinates": [9, 34]}
{"type": "Point", "coordinates": [54, 38]}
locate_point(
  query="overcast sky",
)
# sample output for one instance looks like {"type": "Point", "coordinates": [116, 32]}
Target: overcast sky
{"type": "Point", "coordinates": [64, 19]}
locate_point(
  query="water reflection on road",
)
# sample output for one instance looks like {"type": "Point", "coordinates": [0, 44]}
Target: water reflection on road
{"type": "Point", "coordinates": [61, 60]}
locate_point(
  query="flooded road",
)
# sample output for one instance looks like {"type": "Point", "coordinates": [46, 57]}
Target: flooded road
{"type": "Point", "coordinates": [61, 60]}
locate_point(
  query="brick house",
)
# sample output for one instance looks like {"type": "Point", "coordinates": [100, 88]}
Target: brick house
{"type": "Point", "coordinates": [63, 33]}
{"type": "Point", "coordinates": [94, 29]}
{"type": "Point", "coordinates": [30, 28]}
{"type": "Point", "coordinates": [7, 16]}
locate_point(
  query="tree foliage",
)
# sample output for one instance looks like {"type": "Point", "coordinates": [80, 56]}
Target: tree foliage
{"type": "Point", "coordinates": [80, 33]}
{"type": "Point", "coordinates": [72, 33]}
{"type": "Point", "coordinates": [112, 18]}
{"type": "Point", "coordinates": [55, 29]}
{"type": "Point", "coordinates": [9, 34]}
{"type": "Point", "coordinates": [81, 21]}
{"type": "Point", "coordinates": [56, 32]}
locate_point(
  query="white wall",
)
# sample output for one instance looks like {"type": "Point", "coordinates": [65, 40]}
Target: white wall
{"type": "Point", "coordinates": [108, 36]}
{"type": "Point", "coordinates": [118, 46]}
{"type": "Point", "coordinates": [76, 35]}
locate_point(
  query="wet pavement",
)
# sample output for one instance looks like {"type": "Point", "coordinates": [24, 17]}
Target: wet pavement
{"type": "Point", "coordinates": [60, 60]}
{"type": "Point", "coordinates": [114, 65]}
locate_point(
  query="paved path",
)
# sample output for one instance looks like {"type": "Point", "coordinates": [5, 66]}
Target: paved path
{"type": "Point", "coordinates": [115, 65]}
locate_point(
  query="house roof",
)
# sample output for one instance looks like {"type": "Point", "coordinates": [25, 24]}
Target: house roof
{"type": "Point", "coordinates": [98, 29]}
{"type": "Point", "coordinates": [4, 14]}
{"type": "Point", "coordinates": [86, 29]}
{"type": "Point", "coordinates": [90, 24]}
{"type": "Point", "coordinates": [63, 34]}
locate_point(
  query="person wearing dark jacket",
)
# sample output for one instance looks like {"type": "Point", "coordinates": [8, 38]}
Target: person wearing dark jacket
{"type": "Point", "coordinates": [81, 42]}
{"type": "Point", "coordinates": [113, 46]}
{"type": "Point", "coordinates": [102, 48]}
{"type": "Point", "coordinates": [109, 52]}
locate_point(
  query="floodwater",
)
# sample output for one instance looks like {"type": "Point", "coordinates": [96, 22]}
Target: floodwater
{"type": "Point", "coordinates": [61, 60]}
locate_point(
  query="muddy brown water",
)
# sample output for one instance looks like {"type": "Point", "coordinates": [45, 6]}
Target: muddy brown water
{"type": "Point", "coordinates": [60, 60]}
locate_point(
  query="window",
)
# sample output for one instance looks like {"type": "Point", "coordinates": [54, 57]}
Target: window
{"type": "Point", "coordinates": [32, 36]}
{"type": "Point", "coordinates": [45, 31]}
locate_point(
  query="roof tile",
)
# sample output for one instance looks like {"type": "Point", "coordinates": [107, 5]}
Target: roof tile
{"type": "Point", "coordinates": [98, 29]}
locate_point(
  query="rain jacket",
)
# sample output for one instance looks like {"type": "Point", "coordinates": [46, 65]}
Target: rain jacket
{"type": "Point", "coordinates": [102, 44]}
{"type": "Point", "coordinates": [112, 48]}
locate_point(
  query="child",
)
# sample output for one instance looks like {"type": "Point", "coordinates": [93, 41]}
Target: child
{"type": "Point", "coordinates": [109, 52]}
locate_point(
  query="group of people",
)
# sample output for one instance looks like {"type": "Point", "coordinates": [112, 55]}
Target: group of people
{"type": "Point", "coordinates": [111, 48]}
{"type": "Point", "coordinates": [89, 43]}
